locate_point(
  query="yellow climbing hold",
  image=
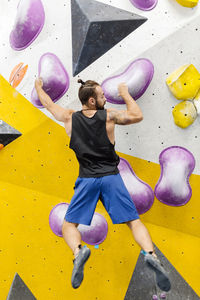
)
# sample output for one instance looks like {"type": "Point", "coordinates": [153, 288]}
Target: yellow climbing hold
{"type": "Point", "coordinates": [184, 82]}
{"type": "Point", "coordinates": [188, 3]}
{"type": "Point", "coordinates": [184, 114]}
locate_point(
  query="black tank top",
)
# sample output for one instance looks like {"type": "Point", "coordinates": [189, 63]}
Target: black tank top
{"type": "Point", "coordinates": [93, 149]}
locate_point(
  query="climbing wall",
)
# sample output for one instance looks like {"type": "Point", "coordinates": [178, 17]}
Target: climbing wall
{"type": "Point", "coordinates": [103, 41]}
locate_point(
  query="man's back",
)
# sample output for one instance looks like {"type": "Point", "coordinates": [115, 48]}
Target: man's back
{"type": "Point", "coordinates": [90, 142]}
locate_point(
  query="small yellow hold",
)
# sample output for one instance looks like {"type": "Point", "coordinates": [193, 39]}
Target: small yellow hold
{"type": "Point", "coordinates": [184, 114]}
{"type": "Point", "coordinates": [188, 3]}
{"type": "Point", "coordinates": [184, 82]}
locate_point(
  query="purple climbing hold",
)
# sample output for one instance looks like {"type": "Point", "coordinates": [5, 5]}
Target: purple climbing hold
{"type": "Point", "coordinates": [55, 78]}
{"type": "Point", "coordinates": [163, 296]}
{"type": "Point", "coordinates": [137, 76]}
{"type": "Point", "coordinates": [155, 297]}
{"type": "Point", "coordinates": [177, 164]}
{"type": "Point", "coordinates": [28, 23]}
{"type": "Point", "coordinates": [144, 4]}
{"type": "Point", "coordinates": [56, 218]}
{"type": "Point", "coordinates": [96, 233]}
{"type": "Point", "coordinates": [93, 234]}
{"type": "Point", "coordinates": [140, 192]}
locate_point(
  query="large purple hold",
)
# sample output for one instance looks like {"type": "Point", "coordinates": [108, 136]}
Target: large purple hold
{"type": "Point", "coordinates": [137, 76]}
{"type": "Point", "coordinates": [56, 218]}
{"type": "Point", "coordinates": [55, 78]}
{"type": "Point", "coordinates": [140, 192]}
{"type": "Point", "coordinates": [144, 4]}
{"type": "Point", "coordinates": [28, 23]}
{"type": "Point", "coordinates": [94, 234]}
{"type": "Point", "coordinates": [177, 164]}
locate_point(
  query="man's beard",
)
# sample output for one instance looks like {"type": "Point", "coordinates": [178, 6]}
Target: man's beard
{"type": "Point", "coordinates": [99, 107]}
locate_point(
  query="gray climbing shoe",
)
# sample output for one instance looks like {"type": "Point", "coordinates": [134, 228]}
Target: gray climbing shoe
{"type": "Point", "coordinates": [79, 262]}
{"type": "Point", "coordinates": [162, 278]}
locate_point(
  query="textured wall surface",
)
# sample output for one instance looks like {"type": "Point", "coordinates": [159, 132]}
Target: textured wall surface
{"type": "Point", "coordinates": [38, 170]}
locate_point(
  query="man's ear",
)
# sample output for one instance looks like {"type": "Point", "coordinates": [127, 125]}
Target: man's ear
{"type": "Point", "coordinates": [91, 101]}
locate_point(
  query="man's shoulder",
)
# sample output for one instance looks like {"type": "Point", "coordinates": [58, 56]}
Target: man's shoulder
{"type": "Point", "coordinates": [69, 113]}
{"type": "Point", "coordinates": [76, 112]}
{"type": "Point", "coordinates": [111, 113]}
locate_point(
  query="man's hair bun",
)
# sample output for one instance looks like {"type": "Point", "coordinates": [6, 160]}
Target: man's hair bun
{"type": "Point", "coordinates": [81, 81]}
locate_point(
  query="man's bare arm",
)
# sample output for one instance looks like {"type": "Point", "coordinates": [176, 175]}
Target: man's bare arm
{"type": "Point", "coordinates": [132, 114]}
{"type": "Point", "coordinates": [61, 114]}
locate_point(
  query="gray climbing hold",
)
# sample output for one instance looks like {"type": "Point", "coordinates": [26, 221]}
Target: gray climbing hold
{"type": "Point", "coordinates": [96, 28]}
{"type": "Point", "coordinates": [142, 285]}
{"type": "Point", "coordinates": [19, 290]}
{"type": "Point", "coordinates": [7, 133]}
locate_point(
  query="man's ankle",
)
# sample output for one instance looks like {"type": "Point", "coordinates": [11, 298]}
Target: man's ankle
{"type": "Point", "coordinates": [149, 252]}
{"type": "Point", "coordinates": [77, 249]}
{"type": "Point", "coordinates": [153, 253]}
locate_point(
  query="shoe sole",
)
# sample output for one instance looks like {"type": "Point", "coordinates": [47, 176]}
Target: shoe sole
{"type": "Point", "coordinates": [162, 279]}
{"type": "Point", "coordinates": [78, 275]}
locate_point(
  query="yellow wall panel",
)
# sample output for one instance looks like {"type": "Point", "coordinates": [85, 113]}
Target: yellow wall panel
{"type": "Point", "coordinates": [38, 171]}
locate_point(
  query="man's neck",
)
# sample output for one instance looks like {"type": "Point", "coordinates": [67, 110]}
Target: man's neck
{"type": "Point", "coordinates": [84, 107]}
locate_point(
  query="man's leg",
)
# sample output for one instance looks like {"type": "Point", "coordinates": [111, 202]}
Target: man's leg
{"type": "Point", "coordinates": [143, 239]}
{"type": "Point", "coordinates": [118, 203]}
{"type": "Point", "coordinates": [80, 210]}
{"type": "Point", "coordinates": [72, 237]}
{"type": "Point", "coordinates": [141, 235]}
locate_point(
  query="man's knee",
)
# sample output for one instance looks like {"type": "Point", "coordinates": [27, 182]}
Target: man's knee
{"type": "Point", "coordinates": [133, 223]}
{"type": "Point", "coordinates": [67, 225]}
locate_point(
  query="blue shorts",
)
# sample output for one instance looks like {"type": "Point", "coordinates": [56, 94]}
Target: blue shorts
{"type": "Point", "coordinates": [112, 193]}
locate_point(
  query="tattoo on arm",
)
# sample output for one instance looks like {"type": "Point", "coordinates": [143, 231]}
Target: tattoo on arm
{"type": "Point", "coordinates": [119, 117]}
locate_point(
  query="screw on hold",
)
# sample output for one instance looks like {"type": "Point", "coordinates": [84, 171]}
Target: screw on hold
{"type": "Point", "coordinates": [163, 296]}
